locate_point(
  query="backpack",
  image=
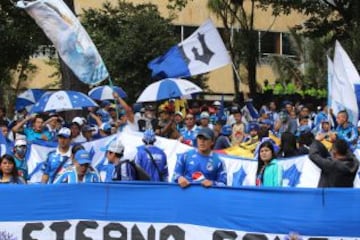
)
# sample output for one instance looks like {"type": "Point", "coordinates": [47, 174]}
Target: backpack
{"type": "Point", "coordinates": [140, 173]}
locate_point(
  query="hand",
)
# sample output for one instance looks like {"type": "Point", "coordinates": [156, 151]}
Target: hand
{"type": "Point", "coordinates": [183, 182]}
{"type": "Point", "coordinates": [207, 183]}
{"type": "Point", "coordinates": [44, 137]}
{"type": "Point", "coordinates": [115, 95]}
{"type": "Point", "coordinates": [320, 137]}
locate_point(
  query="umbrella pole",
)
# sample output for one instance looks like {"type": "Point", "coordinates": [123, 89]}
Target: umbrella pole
{"type": "Point", "coordinates": [116, 109]}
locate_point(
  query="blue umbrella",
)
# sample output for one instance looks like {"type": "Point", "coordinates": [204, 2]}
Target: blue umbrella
{"type": "Point", "coordinates": [62, 101]}
{"type": "Point", "coordinates": [106, 92]}
{"type": "Point", "coordinates": [27, 98]}
{"type": "Point", "coordinates": [168, 88]}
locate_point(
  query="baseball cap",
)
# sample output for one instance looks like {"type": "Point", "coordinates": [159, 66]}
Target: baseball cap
{"type": "Point", "coordinates": [78, 120]}
{"type": "Point", "coordinates": [216, 103]}
{"type": "Point", "coordinates": [204, 115]}
{"type": "Point", "coordinates": [115, 146]}
{"type": "Point", "coordinates": [20, 142]}
{"type": "Point", "coordinates": [87, 128]}
{"type": "Point", "coordinates": [226, 130]}
{"type": "Point", "coordinates": [105, 103]}
{"type": "Point", "coordinates": [106, 127]}
{"type": "Point", "coordinates": [64, 132]}
{"type": "Point", "coordinates": [179, 113]}
{"type": "Point", "coordinates": [206, 132]}
{"type": "Point", "coordinates": [82, 157]}
{"type": "Point", "coordinates": [149, 136]}
{"type": "Point", "coordinates": [253, 126]}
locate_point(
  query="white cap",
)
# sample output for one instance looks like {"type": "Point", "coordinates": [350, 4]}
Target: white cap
{"type": "Point", "coordinates": [78, 120]}
{"type": "Point", "coordinates": [179, 113]}
{"type": "Point", "coordinates": [20, 142]}
{"type": "Point", "coordinates": [64, 132]}
{"type": "Point", "coordinates": [216, 103]}
{"type": "Point", "coordinates": [204, 115]}
{"type": "Point", "coordinates": [116, 146]}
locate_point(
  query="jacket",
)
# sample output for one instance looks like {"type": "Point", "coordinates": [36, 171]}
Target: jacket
{"type": "Point", "coordinates": [334, 173]}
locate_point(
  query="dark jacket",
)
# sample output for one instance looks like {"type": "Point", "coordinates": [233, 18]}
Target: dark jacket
{"type": "Point", "coordinates": [334, 173]}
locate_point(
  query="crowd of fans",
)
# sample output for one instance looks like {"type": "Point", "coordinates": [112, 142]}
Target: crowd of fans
{"type": "Point", "coordinates": [267, 133]}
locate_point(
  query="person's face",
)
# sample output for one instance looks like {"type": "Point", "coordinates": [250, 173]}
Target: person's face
{"type": "Point", "coordinates": [204, 121]}
{"type": "Point", "coordinates": [341, 118]}
{"type": "Point", "coordinates": [54, 122]}
{"type": "Point", "coordinates": [204, 144]}
{"type": "Point", "coordinates": [38, 124]}
{"type": "Point", "coordinates": [64, 142]}
{"type": "Point", "coordinates": [74, 130]}
{"type": "Point", "coordinates": [237, 117]}
{"type": "Point", "coordinates": [289, 108]}
{"type": "Point", "coordinates": [304, 111]}
{"type": "Point", "coordinates": [4, 131]}
{"type": "Point", "coordinates": [110, 156]}
{"type": "Point", "coordinates": [253, 133]}
{"type": "Point", "coordinates": [292, 114]}
{"type": "Point", "coordinates": [304, 122]}
{"type": "Point", "coordinates": [189, 120]}
{"type": "Point", "coordinates": [6, 166]}
{"type": "Point", "coordinates": [178, 118]}
{"type": "Point", "coordinates": [164, 116]}
{"type": "Point", "coordinates": [326, 126]}
{"type": "Point", "coordinates": [265, 154]}
{"type": "Point", "coordinates": [20, 151]}
{"type": "Point", "coordinates": [272, 106]}
{"type": "Point", "coordinates": [82, 168]}
{"type": "Point", "coordinates": [87, 134]}
{"type": "Point", "coordinates": [112, 112]}
{"type": "Point", "coordinates": [149, 114]}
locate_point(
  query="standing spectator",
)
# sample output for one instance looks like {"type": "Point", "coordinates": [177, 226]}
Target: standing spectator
{"type": "Point", "coordinates": [120, 169]}
{"type": "Point", "coordinates": [269, 172]}
{"type": "Point", "coordinates": [238, 129]}
{"type": "Point", "coordinates": [20, 148]}
{"type": "Point", "coordinates": [202, 164]}
{"type": "Point", "coordinates": [337, 170]}
{"type": "Point", "coordinates": [152, 159]}
{"type": "Point", "coordinates": [8, 171]}
{"type": "Point", "coordinates": [189, 132]}
{"type": "Point", "coordinates": [167, 126]}
{"type": "Point", "coordinates": [52, 125]}
{"type": "Point", "coordinates": [36, 132]}
{"type": "Point", "coordinates": [79, 173]}
{"type": "Point", "coordinates": [345, 130]}
{"type": "Point", "coordinates": [285, 124]}
{"type": "Point", "coordinates": [59, 159]}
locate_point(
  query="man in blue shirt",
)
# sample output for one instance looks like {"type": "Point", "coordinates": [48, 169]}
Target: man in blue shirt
{"type": "Point", "coordinates": [59, 159]}
{"type": "Point", "coordinates": [202, 164]}
{"type": "Point", "coordinates": [345, 130]}
{"type": "Point", "coordinates": [152, 159]}
{"type": "Point", "coordinates": [36, 132]}
{"type": "Point", "coordinates": [79, 173]}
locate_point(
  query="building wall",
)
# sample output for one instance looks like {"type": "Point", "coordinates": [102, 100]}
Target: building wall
{"type": "Point", "coordinates": [195, 13]}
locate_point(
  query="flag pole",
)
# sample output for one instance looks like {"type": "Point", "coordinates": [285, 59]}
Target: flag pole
{"type": "Point", "coordinates": [237, 75]}
{"type": "Point", "coordinates": [115, 101]}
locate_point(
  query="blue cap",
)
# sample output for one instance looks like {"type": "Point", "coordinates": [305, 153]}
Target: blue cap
{"type": "Point", "coordinates": [149, 136]}
{"type": "Point", "coordinates": [106, 127]}
{"type": "Point", "coordinates": [82, 157]}
{"type": "Point", "coordinates": [105, 103]}
{"type": "Point", "coordinates": [266, 122]}
{"type": "Point", "coordinates": [206, 132]}
{"type": "Point", "coordinates": [253, 126]}
{"type": "Point", "coordinates": [226, 130]}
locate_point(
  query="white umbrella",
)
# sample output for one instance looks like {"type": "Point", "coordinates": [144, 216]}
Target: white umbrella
{"type": "Point", "coordinates": [63, 101]}
{"type": "Point", "coordinates": [106, 92]}
{"type": "Point", "coordinates": [168, 88]}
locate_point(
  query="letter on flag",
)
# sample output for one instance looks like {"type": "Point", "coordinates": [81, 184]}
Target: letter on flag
{"type": "Point", "coordinates": [345, 77]}
{"type": "Point", "coordinates": [202, 52]}
{"type": "Point", "coordinates": [69, 38]}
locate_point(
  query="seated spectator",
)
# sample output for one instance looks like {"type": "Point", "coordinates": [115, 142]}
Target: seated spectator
{"type": "Point", "coordinates": [8, 171]}
{"type": "Point", "coordinates": [205, 120]}
{"type": "Point", "coordinates": [338, 169]}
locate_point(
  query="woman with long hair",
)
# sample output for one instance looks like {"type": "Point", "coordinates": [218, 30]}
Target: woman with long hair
{"type": "Point", "coordinates": [269, 172]}
{"type": "Point", "coordinates": [8, 171]}
{"type": "Point", "coordinates": [288, 145]}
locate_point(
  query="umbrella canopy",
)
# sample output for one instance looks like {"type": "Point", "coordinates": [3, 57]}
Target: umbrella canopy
{"type": "Point", "coordinates": [168, 88]}
{"type": "Point", "coordinates": [63, 101]}
{"type": "Point", "coordinates": [106, 92]}
{"type": "Point", "coordinates": [27, 98]}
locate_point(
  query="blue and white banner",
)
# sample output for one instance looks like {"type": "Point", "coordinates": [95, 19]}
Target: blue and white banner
{"type": "Point", "coordinates": [69, 38]}
{"type": "Point", "coordinates": [166, 211]}
{"type": "Point", "coordinates": [298, 171]}
{"type": "Point", "coordinates": [201, 52]}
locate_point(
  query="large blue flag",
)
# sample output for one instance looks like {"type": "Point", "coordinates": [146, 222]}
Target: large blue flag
{"type": "Point", "coordinates": [202, 52]}
{"type": "Point", "coordinates": [69, 38]}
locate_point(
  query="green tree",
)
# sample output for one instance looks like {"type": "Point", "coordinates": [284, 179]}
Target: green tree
{"type": "Point", "coordinates": [20, 38]}
{"type": "Point", "coordinates": [128, 37]}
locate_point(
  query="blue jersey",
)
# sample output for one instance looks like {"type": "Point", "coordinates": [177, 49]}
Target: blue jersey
{"type": "Point", "coordinates": [53, 162]}
{"type": "Point", "coordinates": [70, 176]}
{"type": "Point", "coordinates": [192, 162]}
{"type": "Point", "coordinates": [348, 133]}
{"type": "Point", "coordinates": [31, 135]}
{"type": "Point", "coordinates": [189, 136]}
{"type": "Point", "coordinates": [120, 172]}
{"type": "Point", "coordinates": [22, 168]}
{"type": "Point", "coordinates": [144, 160]}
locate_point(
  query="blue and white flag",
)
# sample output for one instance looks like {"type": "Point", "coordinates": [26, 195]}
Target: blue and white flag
{"type": "Point", "coordinates": [343, 83]}
{"type": "Point", "coordinates": [69, 38]}
{"type": "Point", "coordinates": [202, 52]}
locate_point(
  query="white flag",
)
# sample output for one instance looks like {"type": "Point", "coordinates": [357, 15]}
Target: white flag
{"type": "Point", "coordinates": [69, 38]}
{"type": "Point", "coordinates": [345, 77]}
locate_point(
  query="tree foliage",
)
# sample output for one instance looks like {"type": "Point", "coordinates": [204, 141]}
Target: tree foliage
{"type": "Point", "coordinates": [128, 37]}
{"type": "Point", "coordinates": [20, 37]}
